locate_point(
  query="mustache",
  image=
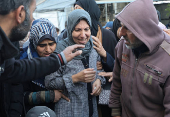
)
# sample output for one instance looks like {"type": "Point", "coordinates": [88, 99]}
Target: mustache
{"type": "Point", "coordinates": [126, 38]}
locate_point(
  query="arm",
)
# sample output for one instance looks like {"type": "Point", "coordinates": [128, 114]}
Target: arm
{"type": "Point", "coordinates": [34, 98]}
{"type": "Point", "coordinates": [100, 80]}
{"type": "Point", "coordinates": [116, 89]}
{"type": "Point", "coordinates": [55, 80]}
{"type": "Point", "coordinates": [106, 59]}
{"type": "Point", "coordinates": [166, 101]}
{"type": "Point", "coordinates": [25, 70]}
{"type": "Point", "coordinates": [109, 64]}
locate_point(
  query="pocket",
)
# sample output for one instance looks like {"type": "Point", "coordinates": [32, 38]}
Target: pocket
{"type": "Point", "coordinates": [155, 73]}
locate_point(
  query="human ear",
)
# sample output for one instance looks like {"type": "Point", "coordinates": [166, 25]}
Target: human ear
{"type": "Point", "coordinates": [20, 14]}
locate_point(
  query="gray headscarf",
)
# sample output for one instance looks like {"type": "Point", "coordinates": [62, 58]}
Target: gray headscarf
{"type": "Point", "coordinates": [73, 19]}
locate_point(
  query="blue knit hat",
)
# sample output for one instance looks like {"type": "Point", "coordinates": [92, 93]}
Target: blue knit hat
{"type": "Point", "coordinates": [42, 29]}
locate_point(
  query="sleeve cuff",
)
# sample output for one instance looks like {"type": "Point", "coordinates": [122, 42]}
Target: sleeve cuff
{"type": "Point", "coordinates": [52, 96]}
{"type": "Point", "coordinates": [63, 57]}
{"type": "Point", "coordinates": [116, 112]}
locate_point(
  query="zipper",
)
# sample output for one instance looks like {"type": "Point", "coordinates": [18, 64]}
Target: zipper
{"type": "Point", "coordinates": [131, 92]}
{"type": "Point", "coordinates": [156, 71]}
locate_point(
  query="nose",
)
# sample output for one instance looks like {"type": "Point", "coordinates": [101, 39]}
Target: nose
{"type": "Point", "coordinates": [122, 31]}
{"type": "Point", "coordinates": [83, 34]}
{"type": "Point", "coordinates": [48, 49]}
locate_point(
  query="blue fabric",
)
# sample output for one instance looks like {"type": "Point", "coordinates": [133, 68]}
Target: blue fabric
{"type": "Point", "coordinates": [109, 64]}
{"type": "Point", "coordinates": [109, 24]}
{"type": "Point", "coordinates": [24, 55]}
{"type": "Point", "coordinates": [34, 98]}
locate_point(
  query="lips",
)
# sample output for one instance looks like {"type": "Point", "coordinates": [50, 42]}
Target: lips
{"type": "Point", "coordinates": [82, 41]}
{"type": "Point", "coordinates": [47, 54]}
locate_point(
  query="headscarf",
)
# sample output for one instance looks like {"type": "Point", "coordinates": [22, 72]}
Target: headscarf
{"type": "Point", "coordinates": [109, 24]}
{"type": "Point", "coordinates": [73, 19]}
{"type": "Point", "coordinates": [42, 29]}
{"type": "Point", "coordinates": [92, 8]}
{"type": "Point", "coordinates": [116, 25]}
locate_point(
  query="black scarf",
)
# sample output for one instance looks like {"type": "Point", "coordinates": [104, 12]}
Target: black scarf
{"type": "Point", "coordinates": [116, 25]}
{"type": "Point", "coordinates": [92, 8]}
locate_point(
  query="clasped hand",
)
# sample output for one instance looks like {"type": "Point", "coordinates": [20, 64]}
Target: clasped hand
{"type": "Point", "coordinates": [86, 75]}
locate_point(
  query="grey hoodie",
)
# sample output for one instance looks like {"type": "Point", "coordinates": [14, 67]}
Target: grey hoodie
{"type": "Point", "coordinates": [142, 84]}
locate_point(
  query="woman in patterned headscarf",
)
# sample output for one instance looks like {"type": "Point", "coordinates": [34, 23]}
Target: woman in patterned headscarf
{"type": "Point", "coordinates": [43, 42]}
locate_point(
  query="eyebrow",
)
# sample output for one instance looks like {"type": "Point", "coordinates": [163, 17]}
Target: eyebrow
{"type": "Point", "coordinates": [80, 28]}
{"type": "Point", "coordinates": [47, 43]}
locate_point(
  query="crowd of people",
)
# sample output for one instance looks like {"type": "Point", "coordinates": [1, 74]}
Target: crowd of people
{"type": "Point", "coordinates": [118, 70]}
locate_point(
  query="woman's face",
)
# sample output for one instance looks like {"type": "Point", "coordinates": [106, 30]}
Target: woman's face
{"type": "Point", "coordinates": [78, 7]}
{"type": "Point", "coordinates": [81, 34]}
{"type": "Point", "coordinates": [46, 47]}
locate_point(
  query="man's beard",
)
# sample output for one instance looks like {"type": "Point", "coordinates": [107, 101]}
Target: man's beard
{"type": "Point", "coordinates": [137, 44]}
{"type": "Point", "coordinates": [20, 32]}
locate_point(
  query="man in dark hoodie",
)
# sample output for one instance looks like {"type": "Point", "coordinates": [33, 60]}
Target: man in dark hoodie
{"type": "Point", "coordinates": [141, 83]}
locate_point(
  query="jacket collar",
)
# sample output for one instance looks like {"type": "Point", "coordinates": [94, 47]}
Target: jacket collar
{"type": "Point", "coordinates": [8, 50]}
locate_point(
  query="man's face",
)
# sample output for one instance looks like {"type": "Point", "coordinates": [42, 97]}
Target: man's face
{"type": "Point", "coordinates": [131, 41]}
{"type": "Point", "coordinates": [19, 32]}
{"type": "Point", "coordinates": [81, 33]}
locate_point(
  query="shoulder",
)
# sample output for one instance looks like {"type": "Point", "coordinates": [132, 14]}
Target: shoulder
{"type": "Point", "coordinates": [106, 31]}
{"type": "Point", "coordinates": [166, 47]}
{"type": "Point", "coordinates": [109, 35]}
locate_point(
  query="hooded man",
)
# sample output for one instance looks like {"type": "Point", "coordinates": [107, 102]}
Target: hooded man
{"type": "Point", "coordinates": [141, 84]}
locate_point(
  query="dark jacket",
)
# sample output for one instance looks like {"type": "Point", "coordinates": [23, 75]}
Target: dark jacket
{"type": "Point", "coordinates": [35, 93]}
{"type": "Point", "coordinates": [16, 71]}
{"type": "Point", "coordinates": [11, 97]}
{"type": "Point", "coordinates": [109, 43]}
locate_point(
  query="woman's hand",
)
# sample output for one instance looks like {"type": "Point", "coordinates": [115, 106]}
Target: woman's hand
{"type": "Point", "coordinates": [59, 95]}
{"type": "Point", "coordinates": [167, 31]}
{"type": "Point", "coordinates": [99, 65]}
{"type": "Point", "coordinates": [109, 75]}
{"type": "Point", "coordinates": [96, 88]}
{"type": "Point", "coordinates": [99, 48]}
{"type": "Point", "coordinates": [86, 75]}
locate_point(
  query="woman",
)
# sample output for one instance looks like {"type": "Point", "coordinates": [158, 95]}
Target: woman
{"type": "Point", "coordinates": [116, 28]}
{"type": "Point", "coordinates": [105, 42]}
{"type": "Point", "coordinates": [78, 78]}
{"type": "Point", "coordinates": [43, 42]}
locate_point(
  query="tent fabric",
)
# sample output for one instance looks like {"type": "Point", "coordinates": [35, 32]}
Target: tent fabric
{"type": "Point", "coordinates": [53, 5]}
